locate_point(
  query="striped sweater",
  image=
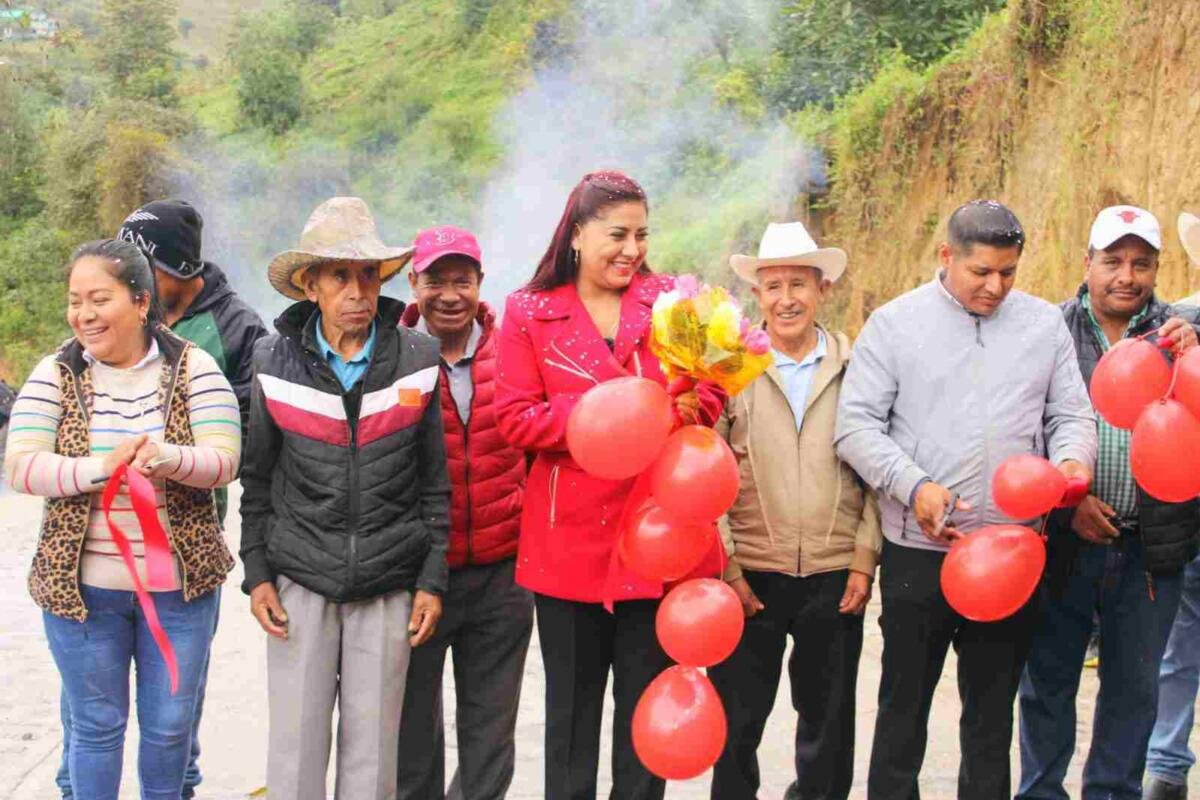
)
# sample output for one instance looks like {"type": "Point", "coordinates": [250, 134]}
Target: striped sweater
{"type": "Point", "coordinates": [125, 404]}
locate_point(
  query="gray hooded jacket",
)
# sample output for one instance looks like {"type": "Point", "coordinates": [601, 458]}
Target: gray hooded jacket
{"type": "Point", "coordinates": [936, 392]}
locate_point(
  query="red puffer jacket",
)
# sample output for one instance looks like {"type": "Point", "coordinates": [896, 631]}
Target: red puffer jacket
{"type": "Point", "coordinates": [487, 475]}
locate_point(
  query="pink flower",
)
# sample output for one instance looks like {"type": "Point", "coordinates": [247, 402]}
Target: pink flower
{"type": "Point", "coordinates": [745, 328]}
{"type": "Point", "coordinates": [688, 286]}
{"type": "Point", "coordinates": [758, 343]}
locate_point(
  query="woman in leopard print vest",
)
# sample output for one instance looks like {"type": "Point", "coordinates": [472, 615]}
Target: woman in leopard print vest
{"type": "Point", "coordinates": [124, 391]}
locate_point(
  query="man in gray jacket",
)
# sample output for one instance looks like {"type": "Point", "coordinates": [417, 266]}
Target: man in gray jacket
{"type": "Point", "coordinates": [946, 382]}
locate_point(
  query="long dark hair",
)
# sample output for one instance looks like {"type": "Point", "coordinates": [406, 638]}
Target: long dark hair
{"type": "Point", "coordinates": [594, 193]}
{"type": "Point", "coordinates": [129, 266]}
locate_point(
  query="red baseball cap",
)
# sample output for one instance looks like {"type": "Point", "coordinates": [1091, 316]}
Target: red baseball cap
{"type": "Point", "coordinates": [433, 244]}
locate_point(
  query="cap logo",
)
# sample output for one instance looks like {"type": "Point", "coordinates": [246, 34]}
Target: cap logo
{"type": "Point", "coordinates": [141, 216]}
{"type": "Point", "coordinates": [1128, 216]}
{"type": "Point", "coordinates": [445, 237]}
{"type": "Point", "coordinates": [145, 245]}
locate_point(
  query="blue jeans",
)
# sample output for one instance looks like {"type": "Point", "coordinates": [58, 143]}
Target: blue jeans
{"type": "Point", "coordinates": [93, 658]}
{"type": "Point", "coordinates": [1109, 580]}
{"type": "Point", "coordinates": [191, 779]}
{"type": "Point", "coordinates": [1169, 757]}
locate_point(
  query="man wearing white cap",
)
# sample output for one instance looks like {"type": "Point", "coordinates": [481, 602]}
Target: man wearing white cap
{"type": "Point", "coordinates": [1119, 555]}
{"type": "Point", "coordinates": [803, 537]}
{"type": "Point", "coordinates": [1169, 758]}
{"type": "Point", "coordinates": [946, 382]}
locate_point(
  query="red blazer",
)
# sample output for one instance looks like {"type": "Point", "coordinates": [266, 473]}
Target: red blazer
{"type": "Point", "coordinates": [550, 353]}
{"type": "Point", "coordinates": [487, 475]}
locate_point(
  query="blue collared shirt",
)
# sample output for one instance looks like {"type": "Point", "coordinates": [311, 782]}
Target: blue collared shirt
{"type": "Point", "coordinates": [798, 376]}
{"type": "Point", "coordinates": [347, 372]}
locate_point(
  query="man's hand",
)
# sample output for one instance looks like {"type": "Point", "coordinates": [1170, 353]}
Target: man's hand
{"type": "Point", "coordinates": [266, 608]}
{"type": "Point", "coordinates": [1091, 521]}
{"type": "Point", "coordinates": [426, 611]}
{"type": "Point", "coordinates": [858, 592]}
{"type": "Point", "coordinates": [1180, 333]}
{"type": "Point", "coordinates": [751, 605]}
{"type": "Point", "coordinates": [930, 506]}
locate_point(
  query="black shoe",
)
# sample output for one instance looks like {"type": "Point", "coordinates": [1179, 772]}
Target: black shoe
{"type": "Point", "coordinates": [1158, 789]}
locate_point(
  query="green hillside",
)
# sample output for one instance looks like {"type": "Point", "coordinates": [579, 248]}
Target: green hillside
{"type": "Point", "coordinates": [480, 112]}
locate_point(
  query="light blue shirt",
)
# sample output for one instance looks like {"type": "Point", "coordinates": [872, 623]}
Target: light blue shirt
{"type": "Point", "coordinates": [798, 376]}
{"type": "Point", "coordinates": [347, 372]}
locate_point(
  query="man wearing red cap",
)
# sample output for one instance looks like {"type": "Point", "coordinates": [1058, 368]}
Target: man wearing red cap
{"type": "Point", "coordinates": [487, 619]}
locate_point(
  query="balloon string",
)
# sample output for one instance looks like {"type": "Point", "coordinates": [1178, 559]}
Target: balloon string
{"type": "Point", "coordinates": [1174, 377]}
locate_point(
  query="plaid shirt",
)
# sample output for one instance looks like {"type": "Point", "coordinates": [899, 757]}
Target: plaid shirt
{"type": "Point", "coordinates": [1114, 478]}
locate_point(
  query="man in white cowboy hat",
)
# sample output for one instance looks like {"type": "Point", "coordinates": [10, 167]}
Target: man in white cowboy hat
{"type": "Point", "coordinates": [345, 506]}
{"type": "Point", "coordinates": [1169, 758]}
{"type": "Point", "coordinates": [946, 382]}
{"type": "Point", "coordinates": [803, 537]}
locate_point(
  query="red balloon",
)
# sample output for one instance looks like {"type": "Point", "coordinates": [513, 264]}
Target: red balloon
{"type": "Point", "coordinates": [662, 547]}
{"type": "Point", "coordinates": [990, 573]}
{"type": "Point", "coordinates": [1129, 377]}
{"type": "Point", "coordinates": [1027, 486]}
{"type": "Point", "coordinates": [696, 475]}
{"type": "Point", "coordinates": [1163, 452]}
{"type": "Point", "coordinates": [700, 622]}
{"type": "Point", "coordinates": [1187, 380]}
{"type": "Point", "coordinates": [679, 724]}
{"type": "Point", "coordinates": [619, 427]}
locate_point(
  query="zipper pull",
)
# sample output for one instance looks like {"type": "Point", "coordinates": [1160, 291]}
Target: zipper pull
{"type": "Point", "coordinates": [978, 332]}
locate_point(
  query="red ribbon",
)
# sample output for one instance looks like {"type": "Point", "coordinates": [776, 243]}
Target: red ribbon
{"type": "Point", "coordinates": [160, 563]}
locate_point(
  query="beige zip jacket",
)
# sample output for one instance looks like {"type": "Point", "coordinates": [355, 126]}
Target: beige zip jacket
{"type": "Point", "coordinates": [800, 511]}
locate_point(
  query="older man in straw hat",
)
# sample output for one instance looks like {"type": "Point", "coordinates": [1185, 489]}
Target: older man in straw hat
{"type": "Point", "coordinates": [345, 506]}
{"type": "Point", "coordinates": [803, 537]}
{"type": "Point", "coordinates": [1169, 758]}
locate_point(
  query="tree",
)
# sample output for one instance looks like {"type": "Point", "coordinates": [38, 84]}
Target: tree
{"type": "Point", "coordinates": [134, 49]}
{"type": "Point", "coordinates": [268, 51]}
{"type": "Point", "coordinates": [20, 169]}
{"type": "Point", "coordinates": [824, 48]}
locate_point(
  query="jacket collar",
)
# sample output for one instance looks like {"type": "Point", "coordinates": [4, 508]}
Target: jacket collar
{"type": "Point", "coordinates": [837, 355]}
{"type": "Point", "coordinates": [294, 321]}
{"type": "Point", "coordinates": [945, 294]}
{"type": "Point", "coordinates": [637, 303]}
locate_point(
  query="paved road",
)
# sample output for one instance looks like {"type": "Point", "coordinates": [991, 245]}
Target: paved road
{"type": "Point", "coordinates": [234, 732]}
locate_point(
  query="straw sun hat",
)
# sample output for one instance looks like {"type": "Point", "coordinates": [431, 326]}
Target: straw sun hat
{"type": "Point", "coordinates": [340, 229]}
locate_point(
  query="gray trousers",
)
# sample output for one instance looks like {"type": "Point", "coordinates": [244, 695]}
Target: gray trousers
{"type": "Point", "coordinates": [357, 655]}
{"type": "Point", "coordinates": [487, 621]}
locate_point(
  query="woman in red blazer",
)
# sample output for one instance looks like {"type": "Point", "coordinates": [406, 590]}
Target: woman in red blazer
{"type": "Point", "coordinates": [582, 320]}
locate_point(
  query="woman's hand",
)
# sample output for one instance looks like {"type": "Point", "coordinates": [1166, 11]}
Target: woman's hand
{"type": "Point", "coordinates": [149, 462]}
{"type": "Point", "coordinates": [124, 453]}
{"type": "Point", "coordinates": [687, 407]}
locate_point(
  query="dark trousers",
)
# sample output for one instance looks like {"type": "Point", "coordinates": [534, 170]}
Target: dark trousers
{"type": "Point", "coordinates": [580, 642]}
{"type": "Point", "coordinates": [1133, 635]}
{"type": "Point", "coordinates": [487, 621]}
{"type": "Point", "coordinates": [823, 669]}
{"type": "Point", "coordinates": [918, 628]}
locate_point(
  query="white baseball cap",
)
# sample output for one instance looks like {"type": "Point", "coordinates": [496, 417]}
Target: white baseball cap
{"type": "Point", "coordinates": [1116, 222]}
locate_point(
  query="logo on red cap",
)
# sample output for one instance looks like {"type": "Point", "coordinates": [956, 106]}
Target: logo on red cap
{"type": "Point", "coordinates": [1128, 216]}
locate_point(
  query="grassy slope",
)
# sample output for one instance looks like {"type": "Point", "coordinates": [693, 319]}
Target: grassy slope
{"type": "Point", "coordinates": [1055, 107]}
{"type": "Point", "coordinates": [213, 21]}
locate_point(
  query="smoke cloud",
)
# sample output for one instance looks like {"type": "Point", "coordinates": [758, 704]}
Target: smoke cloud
{"type": "Point", "coordinates": [618, 84]}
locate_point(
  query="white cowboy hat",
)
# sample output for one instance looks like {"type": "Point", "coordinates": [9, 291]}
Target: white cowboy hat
{"type": "Point", "coordinates": [788, 244]}
{"type": "Point", "coordinates": [340, 229]}
{"type": "Point", "coordinates": [1189, 234]}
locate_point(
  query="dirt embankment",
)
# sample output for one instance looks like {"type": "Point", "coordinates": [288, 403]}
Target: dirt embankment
{"type": "Point", "coordinates": [1056, 108]}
